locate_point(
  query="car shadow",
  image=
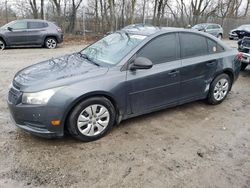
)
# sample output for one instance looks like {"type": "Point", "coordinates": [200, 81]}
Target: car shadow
{"type": "Point", "coordinates": [30, 47]}
{"type": "Point", "coordinates": [68, 140]}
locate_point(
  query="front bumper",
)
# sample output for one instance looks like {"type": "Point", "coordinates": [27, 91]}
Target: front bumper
{"type": "Point", "coordinates": [34, 130]}
{"type": "Point", "coordinates": [60, 38]}
{"type": "Point", "coordinates": [233, 36]}
{"type": "Point", "coordinates": [33, 118]}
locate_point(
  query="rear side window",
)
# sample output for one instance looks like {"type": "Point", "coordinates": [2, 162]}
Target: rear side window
{"type": "Point", "coordinates": [216, 27]}
{"type": "Point", "coordinates": [210, 27]}
{"type": "Point", "coordinates": [214, 47]}
{"type": "Point", "coordinates": [193, 45]}
{"type": "Point", "coordinates": [37, 25]}
{"type": "Point", "coordinates": [161, 49]}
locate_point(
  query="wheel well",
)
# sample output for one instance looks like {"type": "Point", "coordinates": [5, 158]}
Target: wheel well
{"type": "Point", "coordinates": [50, 36]}
{"type": "Point", "coordinates": [1, 38]}
{"type": "Point", "coordinates": [79, 100]}
{"type": "Point", "coordinates": [220, 34]}
{"type": "Point", "coordinates": [230, 74]}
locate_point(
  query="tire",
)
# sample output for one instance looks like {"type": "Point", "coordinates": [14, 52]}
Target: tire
{"type": "Point", "coordinates": [219, 89]}
{"type": "Point", "coordinates": [50, 43]}
{"type": "Point", "coordinates": [220, 36]}
{"type": "Point", "coordinates": [243, 66]}
{"type": "Point", "coordinates": [2, 44]}
{"type": "Point", "coordinates": [91, 119]}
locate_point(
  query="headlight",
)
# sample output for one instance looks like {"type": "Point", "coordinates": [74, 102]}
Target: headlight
{"type": "Point", "coordinates": [41, 97]}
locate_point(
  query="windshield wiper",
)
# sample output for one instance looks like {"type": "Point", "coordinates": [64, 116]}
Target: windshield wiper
{"type": "Point", "coordinates": [85, 56]}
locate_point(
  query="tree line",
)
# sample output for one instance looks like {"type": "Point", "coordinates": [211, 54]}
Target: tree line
{"type": "Point", "coordinates": [101, 16]}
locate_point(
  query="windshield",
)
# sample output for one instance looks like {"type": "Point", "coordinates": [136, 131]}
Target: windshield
{"type": "Point", "coordinates": [247, 27]}
{"type": "Point", "coordinates": [7, 25]}
{"type": "Point", "coordinates": [199, 27]}
{"type": "Point", "coordinates": [112, 48]}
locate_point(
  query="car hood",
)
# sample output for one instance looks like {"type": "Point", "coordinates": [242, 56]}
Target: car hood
{"type": "Point", "coordinates": [57, 72]}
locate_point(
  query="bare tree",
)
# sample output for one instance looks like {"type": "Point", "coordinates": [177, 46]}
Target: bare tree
{"type": "Point", "coordinates": [132, 18]}
{"type": "Point", "coordinates": [75, 6]}
{"type": "Point", "coordinates": [112, 14]}
{"type": "Point", "coordinates": [42, 11]}
{"type": "Point", "coordinates": [34, 8]}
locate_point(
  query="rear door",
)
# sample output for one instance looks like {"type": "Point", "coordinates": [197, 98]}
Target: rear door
{"type": "Point", "coordinates": [199, 64]}
{"type": "Point", "coordinates": [18, 33]}
{"type": "Point", "coordinates": [211, 29]}
{"type": "Point", "coordinates": [159, 86]}
{"type": "Point", "coordinates": [36, 32]}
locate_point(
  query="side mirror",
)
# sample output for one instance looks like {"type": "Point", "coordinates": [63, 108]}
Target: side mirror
{"type": "Point", "coordinates": [141, 63]}
{"type": "Point", "coordinates": [9, 28]}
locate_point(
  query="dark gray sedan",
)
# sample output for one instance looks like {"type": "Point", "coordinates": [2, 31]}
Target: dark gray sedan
{"type": "Point", "coordinates": [30, 32]}
{"type": "Point", "coordinates": [125, 74]}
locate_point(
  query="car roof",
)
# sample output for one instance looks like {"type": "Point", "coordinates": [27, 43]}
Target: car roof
{"type": "Point", "coordinates": [208, 24]}
{"type": "Point", "coordinates": [36, 20]}
{"type": "Point", "coordinates": [150, 30]}
{"type": "Point", "coordinates": [155, 31]}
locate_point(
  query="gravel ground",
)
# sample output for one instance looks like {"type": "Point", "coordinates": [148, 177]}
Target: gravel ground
{"type": "Point", "coordinates": [193, 145]}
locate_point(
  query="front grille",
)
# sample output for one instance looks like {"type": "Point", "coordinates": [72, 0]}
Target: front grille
{"type": "Point", "coordinates": [14, 95]}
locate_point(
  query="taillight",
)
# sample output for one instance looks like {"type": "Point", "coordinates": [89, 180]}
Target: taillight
{"type": "Point", "coordinates": [240, 56]}
{"type": "Point", "coordinates": [59, 30]}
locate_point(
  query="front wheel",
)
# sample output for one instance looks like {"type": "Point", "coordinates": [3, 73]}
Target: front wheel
{"type": "Point", "coordinates": [219, 89]}
{"type": "Point", "coordinates": [220, 36]}
{"type": "Point", "coordinates": [91, 119]}
{"type": "Point", "coordinates": [2, 44]}
{"type": "Point", "coordinates": [50, 43]}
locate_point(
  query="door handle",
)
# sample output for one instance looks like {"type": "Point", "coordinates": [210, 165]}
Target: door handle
{"type": "Point", "coordinates": [173, 73]}
{"type": "Point", "coordinates": [211, 63]}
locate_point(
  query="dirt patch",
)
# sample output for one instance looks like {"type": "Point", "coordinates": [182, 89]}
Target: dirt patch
{"type": "Point", "coordinates": [193, 145]}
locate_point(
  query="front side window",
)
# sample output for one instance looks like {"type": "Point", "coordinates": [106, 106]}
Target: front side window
{"type": "Point", "coordinates": [112, 48]}
{"type": "Point", "coordinates": [161, 49]}
{"type": "Point", "coordinates": [19, 25]}
{"type": "Point", "coordinates": [193, 45]}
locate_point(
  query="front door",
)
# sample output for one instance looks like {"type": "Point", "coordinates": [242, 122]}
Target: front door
{"type": "Point", "coordinates": [159, 86]}
{"type": "Point", "coordinates": [17, 35]}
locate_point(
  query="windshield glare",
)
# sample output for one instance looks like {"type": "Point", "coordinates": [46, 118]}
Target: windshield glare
{"type": "Point", "coordinates": [7, 25]}
{"type": "Point", "coordinates": [199, 26]}
{"type": "Point", "coordinates": [112, 48]}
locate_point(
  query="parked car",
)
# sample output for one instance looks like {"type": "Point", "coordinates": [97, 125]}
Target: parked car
{"type": "Point", "coordinates": [30, 32]}
{"type": "Point", "coordinates": [244, 48]}
{"type": "Point", "coordinates": [123, 75]}
{"type": "Point", "coordinates": [233, 33]}
{"type": "Point", "coordinates": [213, 29]}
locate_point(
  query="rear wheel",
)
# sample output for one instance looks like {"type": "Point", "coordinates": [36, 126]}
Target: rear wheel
{"type": "Point", "coordinates": [91, 119]}
{"type": "Point", "coordinates": [50, 43]}
{"type": "Point", "coordinates": [219, 89]}
{"type": "Point", "coordinates": [243, 66]}
{"type": "Point", "coordinates": [2, 44]}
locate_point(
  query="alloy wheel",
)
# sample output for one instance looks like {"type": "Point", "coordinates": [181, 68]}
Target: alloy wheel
{"type": "Point", "coordinates": [51, 43]}
{"type": "Point", "coordinates": [221, 89]}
